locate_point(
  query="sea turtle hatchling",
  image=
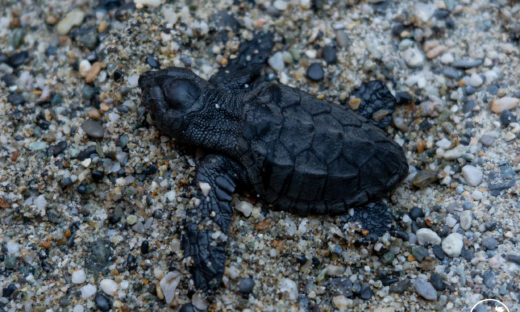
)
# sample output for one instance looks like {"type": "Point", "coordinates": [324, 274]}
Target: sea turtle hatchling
{"type": "Point", "coordinates": [299, 153]}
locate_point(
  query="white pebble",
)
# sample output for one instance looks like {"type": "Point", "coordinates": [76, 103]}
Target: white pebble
{"type": "Point", "coordinates": [450, 221]}
{"type": "Point", "coordinates": [413, 57]}
{"type": "Point", "coordinates": [280, 5]}
{"type": "Point", "coordinates": [41, 203]}
{"type": "Point", "coordinates": [334, 270]}
{"type": "Point", "coordinates": [133, 80]}
{"type": "Point", "coordinates": [472, 175]}
{"type": "Point", "coordinates": [78, 276]}
{"type": "Point", "coordinates": [290, 288]}
{"type": "Point", "coordinates": [477, 195]}
{"type": "Point", "coordinates": [443, 143]}
{"type": "Point", "coordinates": [73, 18]}
{"type": "Point", "coordinates": [87, 291]}
{"type": "Point", "coordinates": [199, 301]}
{"type": "Point", "coordinates": [341, 302]}
{"type": "Point", "coordinates": [84, 67]}
{"type": "Point", "coordinates": [78, 308]}
{"type": "Point", "coordinates": [171, 195]}
{"type": "Point", "coordinates": [447, 58]}
{"type": "Point", "coordinates": [169, 284]}
{"type": "Point", "coordinates": [108, 286]}
{"type": "Point", "coordinates": [151, 3]}
{"type": "Point", "coordinates": [465, 219]}
{"type": "Point", "coordinates": [452, 245]}
{"type": "Point", "coordinates": [245, 208]}
{"type": "Point", "coordinates": [505, 103]}
{"type": "Point", "coordinates": [13, 248]}
{"type": "Point", "coordinates": [475, 80]}
{"type": "Point", "coordinates": [276, 61]}
{"type": "Point", "coordinates": [427, 236]}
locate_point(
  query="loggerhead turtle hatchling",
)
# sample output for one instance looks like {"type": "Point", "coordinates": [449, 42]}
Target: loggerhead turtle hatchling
{"type": "Point", "coordinates": [299, 153]}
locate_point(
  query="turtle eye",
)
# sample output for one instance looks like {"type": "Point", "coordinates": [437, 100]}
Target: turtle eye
{"type": "Point", "coordinates": [180, 93]}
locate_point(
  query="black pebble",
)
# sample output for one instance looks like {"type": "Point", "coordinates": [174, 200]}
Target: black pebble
{"type": "Point", "coordinates": [328, 53]}
{"type": "Point", "coordinates": [82, 189]}
{"type": "Point", "coordinates": [145, 247]}
{"type": "Point", "coordinates": [8, 291]}
{"type": "Point", "coordinates": [437, 251]}
{"type": "Point", "coordinates": [403, 97]}
{"type": "Point", "coordinates": [468, 106]}
{"type": "Point", "coordinates": [131, 262]}
{"type": "Point", "coordinates": [15, 99]}
{"type": "Point", "coordinates": [151, 169]}
{"type": "Point", "coordinates": [65, 182]}
{"type": "Point", "coordinates": [437, 282]}
{"type": "Point", "coordinates": [315, 72]}
{"type": "Point", "coordinates": [97, 175]}
{"type": "Point", "coordinates": [110, 4]}
{"type": "Point", "coordinates": [366, 292]}
{"type": "Point", "coordinates": [58, 148]}
{"type": "Point", "coordinates": [9, 80]}
{"type": "Point", "coordinates": [467, 254]}
{"type": "Point", "coordinates": [188, 307]}
{"type": "Point", "coordinates": [397, 29]}
{"type": "Point", "coordinates": [152, 61]}
{"type": "Point", "coordinates": [416, 212]}
{"type": "Point", "coordinates": [84, 154]}
{"type": "Point", "coordinates": [245, 286]}
{"type": "Point", "coordinates": [102, 302]}
{"type": "Point", "coordinates": [18, 59]}
{"type": "Point", "coordinates": [506, 117]}
{"type": "Point", "coordinates": [117, 75]}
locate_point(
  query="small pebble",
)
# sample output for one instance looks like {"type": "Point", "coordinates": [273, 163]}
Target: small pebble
{"type": "Point", "coordinates": [102, 302]}
{"type": "Point", "coordinates": [276, 61]}
{"type": "Point", "coordinates": [419, 253]}
{"type": "Point", "coordinates": [490, 243]}
{"type": "Point", "coordinates": [169, 284]}
{"type": "Point", "coordinates": [506, 118]}
{"type": "Point", "coordinates": [15, 99]}
{"type": "Point", "coordinates": [108, 286]}
{"type": "Point", "coordinates": [73, 18]}
{"type": "Point", "coordinates": [452, 244]}
{"type": "Point", "coordinates": [78, 276]}
{"type": "Point", "coordinates": [437, 251]}
{"type": "Point", "coordinates": [18, 59]}
{"type": "Point", "coordinates": [413, 57]}
{"type": "Point", "coordinates": [465, 219]}
{"type": "Point", "coordinates": [87, 291]}
{"type": "Point", "coordinates": [93, 129]}
{"type": "Point", "coordinates": [424, 289]}
{"type": "Point", "coordinates": [245, 286]}
{"type": "Point", "coordinates": [93, 72]}
{"type": "Point", "coordinates": [467, 63]}
{"type": "Point", "coordinates": [328, 53]}
{"type": "Point", "coordinates": [152, 61]}
{"type": "Point", "coordinates": [475, 80]}
{"type": "Point", "coordinates": [437, 282]}
{"type": "Point", "coordinates": [506, 103]}
{"type": "Point", "coordinates": [473, 175]}
{"type": "Point", "coordinates": [427, 236]}
{"type": "Point", "coordinates": [280, 5]}
{"type": "Point", "coordinates": [289, 288]}
{"type": "Point", "coordinates": [416, 212]}
{"type": "Point", "coordinates": [150, 3]}
{"type": "Point", "coordinates": [245, 208]}
{"type": "Point", "coordinates": [315, 72]}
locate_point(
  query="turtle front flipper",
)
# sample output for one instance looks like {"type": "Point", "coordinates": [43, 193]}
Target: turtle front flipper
{"type": "Point", "coordinates": [242, 70]}
{"type": "Point", "coordinates": [207, 225]}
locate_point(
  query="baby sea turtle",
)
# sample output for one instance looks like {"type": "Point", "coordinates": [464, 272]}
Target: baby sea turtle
{"type": "Point", "coordinates": [299, 153]}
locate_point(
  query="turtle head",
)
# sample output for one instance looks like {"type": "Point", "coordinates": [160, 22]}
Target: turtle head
{"type": "Point", "coordinates": [171, 96]}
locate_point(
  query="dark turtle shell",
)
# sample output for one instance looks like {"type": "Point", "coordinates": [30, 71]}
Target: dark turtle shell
{"type": "Point", "coordinates": [311, 156]}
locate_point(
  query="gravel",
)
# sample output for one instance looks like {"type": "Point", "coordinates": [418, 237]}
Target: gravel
{"type": "Point", "coordinates": [91, 192]}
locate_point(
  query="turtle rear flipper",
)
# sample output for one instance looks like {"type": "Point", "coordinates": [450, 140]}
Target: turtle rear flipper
{"type": "Point", "coordinates": [247, 66]}
{"type": "Point", "coordinates": [207, 226]}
